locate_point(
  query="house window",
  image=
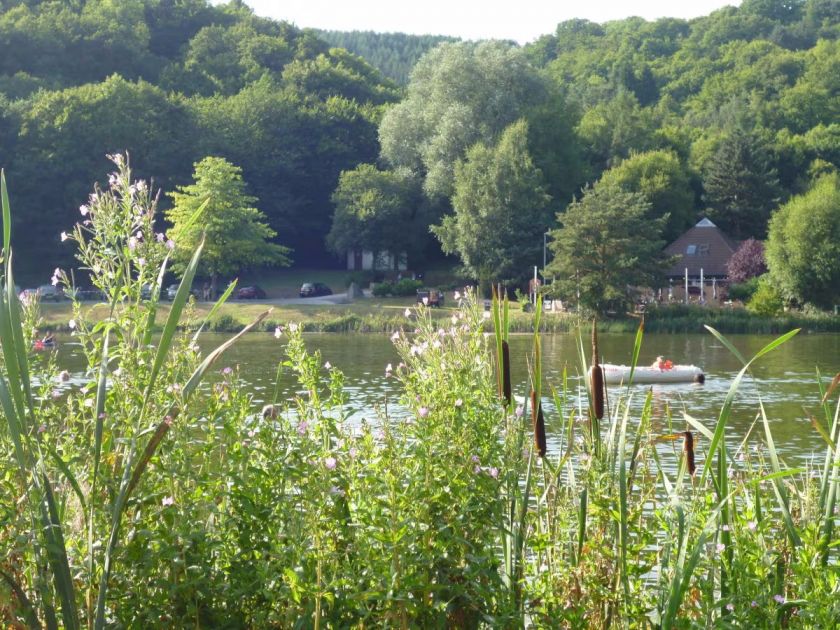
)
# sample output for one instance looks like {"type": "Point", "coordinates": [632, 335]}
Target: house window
{"type": "Point", "coordinates": [691, 250]}
{"type": "Point", "coordinates": [703, 249]}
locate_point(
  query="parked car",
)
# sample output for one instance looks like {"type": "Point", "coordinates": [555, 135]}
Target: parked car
{"type": "Point", "coordinates": [250, 293]}
{"type": "Point", "coordinates": [430, 297]}
{"type": "Point", "coordinates": [50, 293]}
{"type": "Point", "coordinates": [172, 290]}
{"type": "Point", "coordinates": [314, 289]}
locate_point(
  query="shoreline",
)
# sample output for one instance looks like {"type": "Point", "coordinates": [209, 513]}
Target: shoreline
{"type": "Point", "coordinates": [385, 316]}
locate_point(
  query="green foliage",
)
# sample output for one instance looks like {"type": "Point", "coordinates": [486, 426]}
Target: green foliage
{"type": "Point", "coordinates": [394, 54]}
{"type": "Point", "coordinates": [803, 246]}
{"type": "Point", "coordinates": [500, 210]}
{"type": "Point", "coordinates": [605, 246]}
{"type": "Point", "coordinates": [741, 186]}
{"type": "Point", "coordinates": [402, 288]}
{"type": "Point", "coordinates": [460, 94]}
{"type": "Point", "coordinates": [377, 211]}
{"type": "Point", "coordinates": [743, 291]}
{"type": "Point", "coordinates": [766, 299]}
{"type": "Point", "coordinates": [217, 209]}
{"type": "Point", "coordinates": [664, 181]}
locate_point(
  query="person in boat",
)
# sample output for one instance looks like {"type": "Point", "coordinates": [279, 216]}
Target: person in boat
{"type": "Point", "coordinates": [662, 363]}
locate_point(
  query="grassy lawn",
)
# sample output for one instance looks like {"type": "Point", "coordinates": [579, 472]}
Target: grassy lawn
{"type": "Point", "coordinates": [372, 314]}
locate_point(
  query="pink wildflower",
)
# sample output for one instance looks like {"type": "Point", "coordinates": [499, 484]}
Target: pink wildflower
{"type": "Point", "coordinates": [330, 463]}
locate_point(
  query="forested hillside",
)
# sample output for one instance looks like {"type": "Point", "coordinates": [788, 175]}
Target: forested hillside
{"type": "Point", "coordinates": [393, 54]}
{"type": "Point", "coordinates": [727, 116]}
{"type": "Point", "coordinates": [173, 82]}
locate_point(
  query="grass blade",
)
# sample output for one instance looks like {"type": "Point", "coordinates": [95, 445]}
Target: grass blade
{"type": "Point", "coordinates": [7, 214]}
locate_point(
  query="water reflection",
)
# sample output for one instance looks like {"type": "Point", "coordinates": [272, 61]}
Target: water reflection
{"type": "Point", "coordinates": [784, 379]}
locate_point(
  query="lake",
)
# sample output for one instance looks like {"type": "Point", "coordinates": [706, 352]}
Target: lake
{"type": "Point", "coordinates": [785, 379]}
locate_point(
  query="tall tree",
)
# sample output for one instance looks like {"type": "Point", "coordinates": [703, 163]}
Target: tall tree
{"type": "Point", "coordinates": [664, 181]}
{"type": "Point", "coordinates": [459, 94]}
{"type": "Point", "coordinates": [741, 186]}
{"type": "Point", "coordinates": [376, 211]}
{"type": "Point", "coordinates": [500, 207]}
{"type": "Point", "coordinates": [803, 245]}
{"type": "Point", "coordinates": [605, 247]}
{"type": "Point", "coordinates": [235, 233]}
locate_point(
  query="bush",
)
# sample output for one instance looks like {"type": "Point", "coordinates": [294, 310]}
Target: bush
{"type": "Point", "coordinates": [743, 291]}
{"type": "Point", "coordinates": [404, 288]}
{"type": "Point", "coordinates": [766, 300]}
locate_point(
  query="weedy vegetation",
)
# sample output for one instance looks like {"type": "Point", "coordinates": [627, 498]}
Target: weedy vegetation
{"type": "Point", "coordinates": [151, 492]}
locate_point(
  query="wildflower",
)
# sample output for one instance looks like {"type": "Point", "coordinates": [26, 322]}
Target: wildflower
{"type": "Point", "coordinates": [141, 261]}
{"type": "Point", "coordinates": [725, 528]}
{"type": "Point", "coordinates": [160, 237]}
{"type": "Point", "coordinates": [423, 412]}
{"type": "Point", "coordinates": [101, 416]}
{"type": "Point", "coordinates": [730, 607]}
{"type": "Point", "coordinates": [56, 394]}
{"type": "Point", "coordinates": [720, 547]}
{"type": "Point", "coordinates": [88, 402]}
{"type": "Point", "coordinates": [170, 244]}
{"type": "Point", "coordinates": [485, 314]}
{"type": "Point", "coordinates": [459, 402]}
{"type": "Point", "coordinates": [167, 501]}
{"type": "Point", "coordinates": [494, 472]}
{"type": "Point", "coordinates": [278, 331]}
{"type": "Point", "coordinates": [139, 236]}
{"type": "Point", "coordinates": [477, 469]}
{"type": "Point", "coordinates": [330, 463]}
{"type": "Point", "coordinates": [395, 336]}
{"type": "Point", "coordinates": [353, 452]}
{"type": "Point", "coordinates": [752, 525]}
{"type": "Point", "coordinates": [520, 410]}
{"type": "Point", "coordinates": [457, 295]}
{"type": "Point", "coordinates": [408, 312]}
{"type": "Point", "coordinates": [84, 210]}
{"type": "Point", "coordinates": [42, 428]}
{"type": "Point", "coordinates": [302, 427]}
{"type": "Point", "coordinates": [293, 327]}
{"type": "Point", "coordinates": [132, 243]}
{"type": "Point", "coordinates": [72, 324]}
{"type": "Point", "coordinates": [475, 459]}
{"type": "Point", "coordinates": [336, 491]}
{"type": "Point", "coordinates": [56, 277]}
{"type": "Point", "coordinates": [64, 236]}
{"type": "Point", "coordinates": [389, 368]}
{"type": "Point", "coordinates": [454, 320]}
{"type": "Point", "coordinates": [327, 366]}
{"type": "Point", "coordinates": [753, 604]}
{"type": "Point", "coordinates": [780, 599]}
{"type": "Point", "coordinates": [227, 371]}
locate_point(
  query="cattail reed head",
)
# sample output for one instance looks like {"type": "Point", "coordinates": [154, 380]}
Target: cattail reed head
{"type": "Point", "coordinates": [688, 447]}
{"type": "Point", "coordinates": [506, 392]}
{"type": "Point", "coordinates": [539, 424]}
{"type": "Point", "coordinates": [596, 384]}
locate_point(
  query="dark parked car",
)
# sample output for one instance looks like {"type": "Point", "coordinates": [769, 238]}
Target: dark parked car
{"type": "Point", "coordinates": [250, 293]}
{"type": "Point", "coordinates": [314, 289]}
{"type": "Point", "coordinates": [430, 297]}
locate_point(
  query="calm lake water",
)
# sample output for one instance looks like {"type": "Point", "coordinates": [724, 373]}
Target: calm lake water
{"type": "Point", "coordinates": [785, 379]}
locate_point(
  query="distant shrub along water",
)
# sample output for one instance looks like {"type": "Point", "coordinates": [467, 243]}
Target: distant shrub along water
{"type": "Point", "coordinates": [141, 497]}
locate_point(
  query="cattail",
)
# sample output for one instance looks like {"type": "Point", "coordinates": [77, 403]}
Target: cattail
{"type": "Point", "coordinates": [688, 447]}
{"type": "Point", "coordinates": [539, 424]}
{"type": "Point", "coordinates": [506, 388]}
{"type": "Point", "coordinates": [596, 377]}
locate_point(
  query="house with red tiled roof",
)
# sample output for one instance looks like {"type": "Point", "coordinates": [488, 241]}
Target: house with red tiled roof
{"type": "Point", "coordinates": [701, 258]}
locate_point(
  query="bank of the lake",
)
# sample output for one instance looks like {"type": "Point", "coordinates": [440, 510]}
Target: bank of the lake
{"type": "Point", "coordinates": [388, 314]}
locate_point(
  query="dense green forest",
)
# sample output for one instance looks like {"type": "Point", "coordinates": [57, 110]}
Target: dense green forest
{"type": "Point", "coordinates": [393, 54]}
{"type": "Point", "coordinates": [729, 116]}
